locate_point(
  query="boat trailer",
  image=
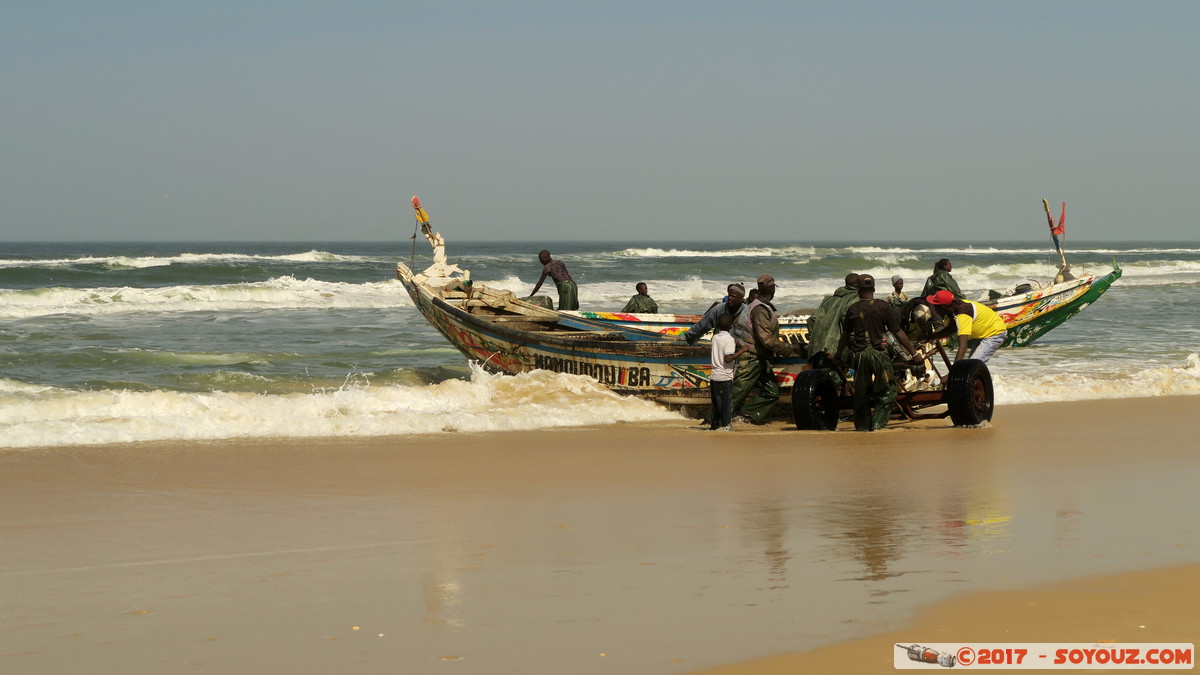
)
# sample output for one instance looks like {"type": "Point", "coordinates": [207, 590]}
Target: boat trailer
{"type": "Point", "coordinates": [820, 395]}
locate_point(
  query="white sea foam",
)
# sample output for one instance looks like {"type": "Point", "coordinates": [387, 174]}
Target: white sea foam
{"type": "Point", "coordinates": [990, 250]}
{"type": "Point", "coordinates": [937, 251]}
{"type": "Point", "coordinates": [1072, 386]}
{"type": "Point", "coordinates": [763, 251]}
{"type": "Point", "coordinates": [681, 295]}
{"type": "Point", "coordinates": [685, 294]}
{"type": "Point", "coordinates": [689, 291]}
{"type": "Point", "coordinates": [140, 262]}
{"type": "Point", "coordinates": [536, 400]}
{"type": "Point", "coordinates": [782, 251]}
{"type": "Point", "coordinates": [278, 293]}
{"type": "Point", "coordinates": [37, 416]}
{"type": "Point", "coordinates": [17, 387]}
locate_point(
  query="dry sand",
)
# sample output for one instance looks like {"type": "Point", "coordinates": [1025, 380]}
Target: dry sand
{"type": "Point", "coordinates": [628, 549]}
{"type": "Point", "coordinates": [1157, 606]}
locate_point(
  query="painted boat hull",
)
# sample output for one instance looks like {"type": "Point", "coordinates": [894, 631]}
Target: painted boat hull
{"type": "Point", "coordinates": [1031, 315]}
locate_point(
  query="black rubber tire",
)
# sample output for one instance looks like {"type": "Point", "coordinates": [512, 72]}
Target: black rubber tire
{"type": "Point", "coordinates": [814, 400]}
{"type": "Point", "coordinates": [969, 393]}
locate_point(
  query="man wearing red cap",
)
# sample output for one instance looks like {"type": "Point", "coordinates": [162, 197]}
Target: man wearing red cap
{"type": "Point", "coordinates": [974, 322]}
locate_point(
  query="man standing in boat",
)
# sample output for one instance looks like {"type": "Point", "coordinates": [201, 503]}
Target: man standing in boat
{"type": "Point", "coordinates": [941, 280]}
{"type": "Point", "coordinates": [755, 390]}
{"type": "Point", "coordinates": [865, 329]}
{"type": "Point", "coordinates": [974, 322]}
{"type": "Point", "coordinates": [568, 292]}
{"type": "Point", "coordinates": [641, 303]}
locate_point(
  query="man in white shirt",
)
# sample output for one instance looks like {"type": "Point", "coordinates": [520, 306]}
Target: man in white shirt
{"type": "Point", "coordinates": [720, 383]}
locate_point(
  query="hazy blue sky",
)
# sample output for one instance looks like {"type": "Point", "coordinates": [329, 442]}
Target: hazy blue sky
{"type": "Point", "coordinates": [599, 120]}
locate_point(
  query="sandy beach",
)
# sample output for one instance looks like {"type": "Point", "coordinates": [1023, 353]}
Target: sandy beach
{"type": "Point", "coordinates": [624, 549]}
{"type": "Point", "coordinates": [1156, 606]}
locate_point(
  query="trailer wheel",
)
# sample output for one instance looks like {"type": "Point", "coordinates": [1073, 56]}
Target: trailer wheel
{"type": "Point", "coordinates": [969, 393]}
{"type": "Point", "coordinates": [814, 400]}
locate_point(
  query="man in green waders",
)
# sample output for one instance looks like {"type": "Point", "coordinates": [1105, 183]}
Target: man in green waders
{"type": "Point", "coordinates": [568, 292]}
{"type": "Point", "coordinates": [825, 324]}
{"type": "Point", "coordinates": [755, 390]}
{"type": "Point", "coordinates": [941, 280]}
{"type": "Point", "coordinates": [641, 303]}
{"type": "Point", "coordinates": [863, 331]}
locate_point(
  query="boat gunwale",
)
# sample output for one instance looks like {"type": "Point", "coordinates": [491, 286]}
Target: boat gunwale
{"type": "Point", "coordinates": [635, 348]}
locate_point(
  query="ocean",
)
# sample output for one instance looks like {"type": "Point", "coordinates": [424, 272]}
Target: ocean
{"type": "Point", "coordinates": [123, 342]}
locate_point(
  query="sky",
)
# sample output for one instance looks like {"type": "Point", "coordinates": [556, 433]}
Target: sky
{"type": "Point", "coordinates": [559, 121]}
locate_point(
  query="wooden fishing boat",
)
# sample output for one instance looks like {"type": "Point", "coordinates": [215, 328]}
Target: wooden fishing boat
{"type": "Point", "coordinates": [643, 354]}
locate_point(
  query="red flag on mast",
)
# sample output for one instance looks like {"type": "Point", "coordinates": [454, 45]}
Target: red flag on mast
{"type": "Point", "coordinates": [1060, 229]}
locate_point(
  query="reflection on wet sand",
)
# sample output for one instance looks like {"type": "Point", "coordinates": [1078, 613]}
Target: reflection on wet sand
{"type": "Point", "coordinates": [871, 531]}
{"type": "Point", "coordinates": [765, 524]}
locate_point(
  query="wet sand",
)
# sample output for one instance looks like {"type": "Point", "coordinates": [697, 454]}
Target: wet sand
{"type": "Point", "coordinates": [626, 549]}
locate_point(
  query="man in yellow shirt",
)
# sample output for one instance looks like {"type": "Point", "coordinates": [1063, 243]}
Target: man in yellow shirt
{"type": "Point", "coordinates": [974, 322]}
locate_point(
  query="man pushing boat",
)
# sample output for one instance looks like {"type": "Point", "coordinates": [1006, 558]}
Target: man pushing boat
{"type": "Point", "coordinates": [974, 322]}
{"type": "Point", "coordinates": [755, 388]}
{"type": "Point", "coordinates": [568, 292]}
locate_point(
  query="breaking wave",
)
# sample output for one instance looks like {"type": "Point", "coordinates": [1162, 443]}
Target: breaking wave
{"type": "Point", "coordinates": [1072, 386]}
{"type": "Point", "coordinates": [44, 416]}
{"type": "Point", "coordinates": [278, 293]}
{"type": "Point", "coordinates": [141, 262]}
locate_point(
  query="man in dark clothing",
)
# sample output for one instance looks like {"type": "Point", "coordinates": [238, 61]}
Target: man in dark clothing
{"type": "Point", "coordinates": [825, 324]}
{"type": "Point", "coordinates": [755, 390]}
{"type": "Point", "coordinates": [641, 303]}
{"type": "Point", "coordinates": [568, 292]}
{"type": "Point", "coordinates": [941, 280]}
{"type": "Point", "coordinates": [735, 307]}
{"type": "Point", "coordinates": [863, 331]}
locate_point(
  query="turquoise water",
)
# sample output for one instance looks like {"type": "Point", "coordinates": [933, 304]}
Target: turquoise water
{"type": "Point", "coordinates": [110, 342]}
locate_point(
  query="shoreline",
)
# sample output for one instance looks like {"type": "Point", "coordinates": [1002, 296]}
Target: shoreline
{"type": "Point", "coordinates": [682, 424]}
{"type": "Point", "coordinates": [571, 542]}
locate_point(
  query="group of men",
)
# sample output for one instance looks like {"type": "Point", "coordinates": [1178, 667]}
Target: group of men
{"type": "Point", "coordinates": [851, 329]}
